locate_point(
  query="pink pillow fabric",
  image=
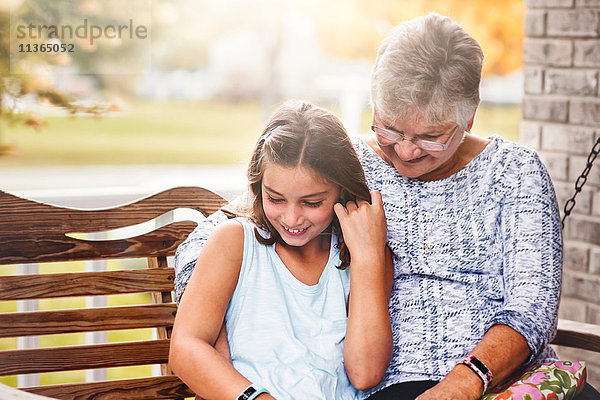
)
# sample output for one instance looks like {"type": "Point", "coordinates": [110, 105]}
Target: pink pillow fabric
{"type": "Point", "coordinates": [559, 380]}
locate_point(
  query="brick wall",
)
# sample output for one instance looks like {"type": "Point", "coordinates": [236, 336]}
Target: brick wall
{"type": "Point", "coordinates": [561, 120]}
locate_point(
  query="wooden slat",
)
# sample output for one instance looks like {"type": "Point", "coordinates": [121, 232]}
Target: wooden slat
{"type": "Point", "coordinates": [31, 231]}
{"type": "Point", "coordinates": [160, 387]}
{"type": "Point", "coordinates": [87, 320]}
{"type": "Point", "coordinates": [19, 215]}
{"type": "Point", "coordinates": [13, 362]}
{"type": "Point", "coordinates": [161, 298]}
{"type": "Point", "coordinates": [33, 247]}
{"type": "Point", "coordinates": [160, 263]}
{"type": "Point", "coordinates": [86, 283]}
{"type": "Point", "coordinates": [578, 335]}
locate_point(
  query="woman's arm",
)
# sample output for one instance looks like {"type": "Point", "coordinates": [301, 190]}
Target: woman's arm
{"type": "Point", "coordinates": [502, 350]}
{"type": "Point", "coordinates": [368, 344]}
{"type": "Point", "coordinates": [200, 317]}
{"type": "Point", "coordinates": [530, 228]}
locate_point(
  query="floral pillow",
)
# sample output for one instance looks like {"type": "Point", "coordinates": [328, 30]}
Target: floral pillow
{"type": "Point", "coordinates": [560, 380]}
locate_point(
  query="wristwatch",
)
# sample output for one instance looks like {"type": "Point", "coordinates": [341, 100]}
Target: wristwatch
{"type": "Point", "coordinates": [252, 392]}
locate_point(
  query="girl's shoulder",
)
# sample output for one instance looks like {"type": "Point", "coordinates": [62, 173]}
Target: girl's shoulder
{"type": "Point", "coordinates": [229, 237]}
{"type": "Point", "coordinates": [232, 227]}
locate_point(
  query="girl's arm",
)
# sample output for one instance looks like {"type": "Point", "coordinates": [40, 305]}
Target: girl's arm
{"type": "Point", "coordinates": [222, 344]}
{"type": "Point", "coordinates": [368, 344]}
{"type": "Point", "coordinates": [200, 317]}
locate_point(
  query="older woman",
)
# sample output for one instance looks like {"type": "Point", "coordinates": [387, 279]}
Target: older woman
{"type": "Point", "coordinates": [473, 223]}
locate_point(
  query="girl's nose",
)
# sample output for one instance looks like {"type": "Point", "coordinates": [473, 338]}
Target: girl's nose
{"type": "Point", "coordinates": [292, 216]}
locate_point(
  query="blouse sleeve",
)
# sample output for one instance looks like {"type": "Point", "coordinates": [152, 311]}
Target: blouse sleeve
{"type": "Point", "coordinates": [368, 159]}
{"type": "Point", "coordinates": [188, 251]}
{"type": "Point", "coordinates": [530, 228]}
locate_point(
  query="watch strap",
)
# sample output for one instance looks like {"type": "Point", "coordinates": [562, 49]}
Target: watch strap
{"type": "Point", "coordinates": [482, 371]}
{"type": "Point", "coordinates": [252, 392]}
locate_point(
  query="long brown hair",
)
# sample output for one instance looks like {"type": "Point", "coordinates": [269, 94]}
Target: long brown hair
{"type": "Point", "coordinates": [302, 134]}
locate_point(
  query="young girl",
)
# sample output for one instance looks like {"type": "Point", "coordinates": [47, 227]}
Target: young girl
{"type": "Point", "coordinates": [304, 307]}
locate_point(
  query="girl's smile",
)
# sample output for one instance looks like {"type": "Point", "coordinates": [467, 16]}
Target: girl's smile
{"type": "Point", "coordinates": [295, 232]}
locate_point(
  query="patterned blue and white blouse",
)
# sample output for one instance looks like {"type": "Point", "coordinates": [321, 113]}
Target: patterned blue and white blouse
{"type": "Point", "coordinates": [479, 248]}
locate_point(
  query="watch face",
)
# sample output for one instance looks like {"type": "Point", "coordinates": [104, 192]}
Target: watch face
{"type": "Point", "coordinates": [480, 365]}
{"type": "Point", "coordinates": [247, 393]}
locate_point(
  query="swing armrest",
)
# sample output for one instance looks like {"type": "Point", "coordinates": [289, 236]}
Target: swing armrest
{"type": "Point", "coordinates": [578, 335]}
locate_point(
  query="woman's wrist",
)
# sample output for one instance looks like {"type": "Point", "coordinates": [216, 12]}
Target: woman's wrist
{"type": "Point", "coordinates": [480, 369]}
{"type": "Point", "coordinates": [469, 380]}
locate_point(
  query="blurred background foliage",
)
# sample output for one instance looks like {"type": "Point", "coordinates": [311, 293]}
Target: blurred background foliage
{"type": "Point", "coordinates": [496, 24]}
{"type": "Point", "coordinates": [215, 71]}
{"type": "Point", "coordinates": [347, 28]}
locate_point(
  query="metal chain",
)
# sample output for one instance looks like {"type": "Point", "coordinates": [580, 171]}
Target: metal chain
{"type": "Point", "coordinates": [581, 181]}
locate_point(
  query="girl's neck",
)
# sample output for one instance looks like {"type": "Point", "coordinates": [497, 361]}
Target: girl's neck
{"type": "Point", "coordinates": [306, 262]}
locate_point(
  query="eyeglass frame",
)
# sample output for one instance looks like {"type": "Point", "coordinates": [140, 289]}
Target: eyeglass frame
{"type": "Point", "coordinates": [436, 146]}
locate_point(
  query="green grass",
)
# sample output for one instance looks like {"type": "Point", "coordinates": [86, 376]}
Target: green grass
{"type": "Point", "coordinates": [144, 133]}
{"type": "Point", "coordinates": [174, 133]}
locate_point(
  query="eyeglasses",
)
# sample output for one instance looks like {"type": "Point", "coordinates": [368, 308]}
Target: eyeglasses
{"type": "Point", "coordinates": [387, 137]}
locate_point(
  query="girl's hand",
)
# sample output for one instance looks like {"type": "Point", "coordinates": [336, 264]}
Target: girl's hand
{"type": "Point", "coordinates": [363, 226]}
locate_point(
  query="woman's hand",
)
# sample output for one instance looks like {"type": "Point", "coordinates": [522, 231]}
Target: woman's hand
{"type": "Point", "coordinates": [363, 226]}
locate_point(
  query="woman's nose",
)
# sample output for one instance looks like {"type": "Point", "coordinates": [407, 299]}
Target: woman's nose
{"type": "Point", "coordinates": [407, 150]}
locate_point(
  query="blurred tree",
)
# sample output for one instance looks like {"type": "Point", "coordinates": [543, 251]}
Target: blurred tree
{"type": "Point", "coordinates": [30, 76]}
{"type": "Point", "coordinates": [184, 29]}
{"type": "Point", "coordinates": [496, 24]}
{"type": "Point", "coordinates": [16, 87]}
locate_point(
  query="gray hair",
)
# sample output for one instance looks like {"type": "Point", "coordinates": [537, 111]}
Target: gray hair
{"type": "Point", "coordinates": [428, 68]}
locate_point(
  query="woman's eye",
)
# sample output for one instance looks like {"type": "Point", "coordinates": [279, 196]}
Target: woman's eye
{"type": "Point", "coordinates": [429, 138]}
{"type": "Point", "coordinates": [314, 203]}
{"type": "Point", "coordinates": [274, 200]}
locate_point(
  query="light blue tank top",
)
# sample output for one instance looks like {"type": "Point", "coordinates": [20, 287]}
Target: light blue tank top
{"type": "Point", "coordinates": [285, 335]}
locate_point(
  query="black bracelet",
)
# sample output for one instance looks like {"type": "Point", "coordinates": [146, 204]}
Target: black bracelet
{"type": "Point", "coordinates": [482, 371]}
{"type": "Point", "coordinates": [252, 392]}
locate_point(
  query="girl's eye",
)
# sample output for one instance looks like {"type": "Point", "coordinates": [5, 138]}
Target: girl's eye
{"type": "Point", "coordinates": [274, 200]}
{"type": "Point", "coordinates": [313, 203]}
